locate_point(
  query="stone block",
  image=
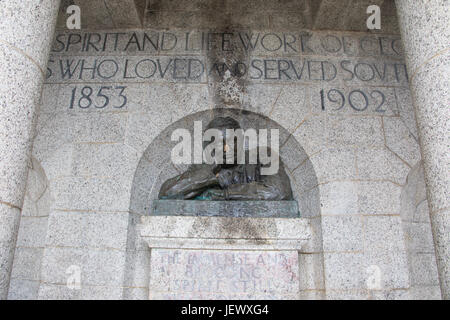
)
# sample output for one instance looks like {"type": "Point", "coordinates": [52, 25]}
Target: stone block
{"type": "Point", "coordinates": [315, 243]}
{"type": "Point", "coordinates": [354, 294]}
{"type": "Point", "coordinates": [378, 197]}
{"type": "Point", "coordinates": [396, 294]}
{"type": "Point", "coordinates": [405, 148]}
{"type": "Point", "coordinates": [426, 293]}
{"type": "Point", "coordinates": [9, 223]}
{"type": "Point", "coordinates": [418, 237]}
{"type": "Point", "coordinates": [27, 264]}
{"type": "Point", "coordinates": [190, 273]}
{"type": "Point", "coordinates": [125, 14]}
{"type": "Point", "coordinates": [97, 267]}
{"type": "Point", "coordinates": [104, 160]}
{"type": "Point", "coordinates": [87, 229]}
{"type": "Point", "coordinates": [311, 272]}
{"type": "Point", "coordinates": [312, 134]}
{"type": "Point", "coordinates": [138, 264]}
{"type": "Point", "coordinates": [304, 177]}
{"type": "Point", "coordinates": [339, 198]}
{"type": "Point", "coordinates": [390, 239]}
{"type": "Point", "coordinates": [95, 14]}
{"type": "Point", "coordinates": [101, 293]}
{"type": "Point", "coordinates": [335, 163]}
{"type": "Point", "coordinates": [56, 263]}
{"type": "Point", "coordinates": [342, 233]}
{"type": "Point", "coordinates": [225, 232]}
{"type": "Point", "coordinates": [344, 271]}
{"type": "Point", "coordinates": [309, 203]}
{"type": "Point", "coordinates": [135, 293]}
{"type": "Point", "coordinates": [32, 232]}
{"type": "Point", "coordinates": [83, 194]}
{"type": "Point", "coordinates": [23, 289]}
{"type": "Point", "coordinates": [424, 270]}
{"type": "Point", "coordinates": [57, 292]}
{"type": "Point", "coordinates": [389, 267]}
{"type": "Point", "coordinates": [356, 131]}
{"type": "Point", "coordinates": [291, 108]}
{"type": "Point", "coordinates": [381, 164]}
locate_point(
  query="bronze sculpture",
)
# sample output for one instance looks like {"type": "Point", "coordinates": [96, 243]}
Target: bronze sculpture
{"type": "Point", "coordinates": [227, 181]}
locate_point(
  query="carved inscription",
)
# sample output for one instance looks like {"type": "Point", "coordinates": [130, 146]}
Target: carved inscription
{"type": "Point", "coordinates": [344, 73]}
{"type": "Point", "coordinates": [180, 274]}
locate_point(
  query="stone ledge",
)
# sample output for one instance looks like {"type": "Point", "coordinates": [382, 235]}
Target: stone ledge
{"type": "Point", "coordinates": [257, 209]}
{"type": "Point", "coordinates": [225, 233]}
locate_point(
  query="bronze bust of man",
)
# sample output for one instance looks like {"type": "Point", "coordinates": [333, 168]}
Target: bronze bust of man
{"type": "Point", "coordinates": [227, 181]}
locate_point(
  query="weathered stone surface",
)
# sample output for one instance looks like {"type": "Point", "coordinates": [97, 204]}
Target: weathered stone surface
{"type": "Point", "coordinates": [269, 270]}
{"type": "Point", "coordinates": [255, 209]}
{"type": "Point", "coordinates": [343, 96]}
{"type": "Point", "coordinates": [425, 38]}
{"type": "Point", "coordinates": [27, 31]}
{"type": "Point", "coordinates": [224, 232]}
{"type": "Point", "coordinates": [203, 274]}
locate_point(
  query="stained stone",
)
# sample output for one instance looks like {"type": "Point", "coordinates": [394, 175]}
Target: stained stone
{"type": "Point", "coordinates": [282, 209]}
{"type": "Point", "coordinates": [202, 273]}
{"type": "Point", "coordinates": [339, 94]}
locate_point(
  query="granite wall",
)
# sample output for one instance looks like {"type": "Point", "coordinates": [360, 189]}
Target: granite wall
{"type": "Point", "coordinates": [112, 97]}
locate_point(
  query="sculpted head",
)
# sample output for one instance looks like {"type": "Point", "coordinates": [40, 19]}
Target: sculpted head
{"type": "Point", "coordinates": [223, 124]}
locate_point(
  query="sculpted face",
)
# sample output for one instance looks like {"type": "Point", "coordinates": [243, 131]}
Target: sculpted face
{"type": "Point", "coordinates": [222, 124]}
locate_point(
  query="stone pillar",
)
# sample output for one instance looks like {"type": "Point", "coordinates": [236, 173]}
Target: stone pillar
{"type": "Point", "coordinates": [426, 33]}
{"type": "Point", "coordinates": [26, 34]}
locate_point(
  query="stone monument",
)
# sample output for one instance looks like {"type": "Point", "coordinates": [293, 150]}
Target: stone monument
{"type": "Point", "coordinates": [219, 231]}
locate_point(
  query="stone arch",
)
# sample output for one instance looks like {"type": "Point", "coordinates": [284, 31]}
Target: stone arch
{"type": "Point", "coordinates": [155, 165]}
{"type": "Point", "coordinates": [154, 168]}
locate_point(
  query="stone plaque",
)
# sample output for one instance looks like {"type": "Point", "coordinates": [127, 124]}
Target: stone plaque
{"type": "Point", "coordinates": [223, 274]}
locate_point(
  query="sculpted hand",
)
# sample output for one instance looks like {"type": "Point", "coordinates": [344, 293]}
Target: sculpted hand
{"type": "Point", "coordinates": [213, 194]}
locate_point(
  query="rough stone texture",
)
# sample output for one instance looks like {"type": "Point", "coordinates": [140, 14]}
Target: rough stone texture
{"type": "Point", "coordinates": [348, 162]}
{"type": "Point", "coordinates": [99, 14]}
{"type": "Point", "coordinates": [269, 271]}
{"type": "Point", "coordinates": [425, 37]}
{"type": "Point", "coordinates": [225, 233]}
{"type": "Point", "coordinates": [27, 32]}
{"type": "Point", "coordinates": [267, 209]}
{"type": "Point", "coordinates": [206, 274]}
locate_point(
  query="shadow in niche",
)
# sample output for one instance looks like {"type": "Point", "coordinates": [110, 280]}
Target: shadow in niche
{"type": "Point", "coordinates": [155, 166]}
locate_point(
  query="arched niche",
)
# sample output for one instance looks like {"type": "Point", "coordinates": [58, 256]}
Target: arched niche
{"type": "Point", "coordinates": [156, 166]}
